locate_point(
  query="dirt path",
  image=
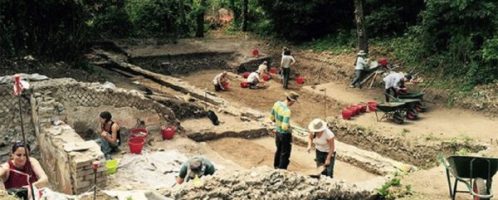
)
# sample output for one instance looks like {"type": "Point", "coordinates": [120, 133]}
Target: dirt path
{"type": "Point", "coordinates": [437, 123]}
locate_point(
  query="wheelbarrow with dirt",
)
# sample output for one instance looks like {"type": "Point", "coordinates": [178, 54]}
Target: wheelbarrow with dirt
{"type": "Point", "coordinates": [475, 172]}
{"type": "Point", "coordinates": [395, 111]}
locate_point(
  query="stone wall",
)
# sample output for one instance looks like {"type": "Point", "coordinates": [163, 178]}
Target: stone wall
{"type": "Point", "coordinates": [267, 183]}
{"type": "Point", "coordinates": [67, 101]}
{"type": "Point", "coordinates": [10, 126]}
{"type": "Point", "coordinates": [184, 63]}
{"type": "Point", "coordinates": [69, 171]}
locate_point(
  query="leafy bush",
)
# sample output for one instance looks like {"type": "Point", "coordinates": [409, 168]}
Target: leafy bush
{"type": "Point", "coordinates": [306, 19]}
{"type": "Point", "coordinates": [159, 18]}
{"type": "Point", "coordinates": [112, 21]}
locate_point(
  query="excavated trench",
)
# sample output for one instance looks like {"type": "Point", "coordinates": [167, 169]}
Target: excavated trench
{"type": "Point", "coordinates": [250, 147]}
{"type": "Point", "coordinates": [421, 155]}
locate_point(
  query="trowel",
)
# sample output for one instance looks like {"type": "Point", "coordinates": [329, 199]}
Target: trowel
{"type": "Point", "coordinates": [315, 173]}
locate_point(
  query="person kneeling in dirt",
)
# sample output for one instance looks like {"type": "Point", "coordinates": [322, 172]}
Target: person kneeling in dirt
{"type": "Point", "coordinates": [255, 81]}
{"type": "Point", "coordinates": [16, 171]}
{"type": "Point", "coordinates": [263, 69]}
{"type": "Point", "coordinates": [220, 81]}
{"type": "Point", "coordinates": [195, 167]}
{"type": "Point", "coordinates": [110, 137]}
{"type": "Point", "coordinates": [324, 140]}
{"type": "Point", "coordinates": [393, 83]}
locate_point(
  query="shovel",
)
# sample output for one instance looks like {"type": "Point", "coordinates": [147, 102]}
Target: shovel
{"type": "Point", "coordinates": [315, 173]}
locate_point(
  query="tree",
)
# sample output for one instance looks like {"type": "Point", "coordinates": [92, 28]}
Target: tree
{"type": "Point", "coordinates": [360, 25]}
{"type": "Point", "coordinates": [200, 19]}
{"type": "Point", "coordinates": [244, 15]}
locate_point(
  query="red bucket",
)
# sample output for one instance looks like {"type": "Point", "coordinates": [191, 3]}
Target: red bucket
{"type": "Point", "coordinates": [246, 74]}
{"type": "Point", "coordinates": [362, 107]}
{"type": "Point", "coordinates": [372, 106]}
{"type": "Point", "coordinates": [226, 85]}
{"type": "Point", "coordinates": [168, 133]}
{"type": "Point", "coordinates": [255, 52]}
{"type": "Point", "coordinates": [353, 110]}
{"type": "Point", "coordinates": [347, 114]}
{"type": "Point", "coordinates": [244, 84]}
{"type": "Point", "coordinates": [139, 133]}
{"type": "Point", "coordinates": [266, 77]}
{"type": "Point", "coordinates": [300, 80]}
{"type": "Point", "coordinates": [274, 70]}
{"type": "Point", "coordinates": [136, 144]}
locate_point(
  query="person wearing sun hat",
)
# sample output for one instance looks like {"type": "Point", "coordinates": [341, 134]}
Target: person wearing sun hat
{"type": "Point", "coordinates": [324, 141]}
{"type": "Point", "coordinates": [280, 115]}
{"type": "Point", "coordinates": [361, 65]}
{"type": "Point", "coordinates": [196, 166]}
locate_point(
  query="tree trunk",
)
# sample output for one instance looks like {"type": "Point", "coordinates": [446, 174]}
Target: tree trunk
{"type": "Point", "coordinates": [200, 20]}
{"type": "Point", "coordinates": [360, 25]}
{"type": "Point", "coordinates": [244, 15]}
{"type": "Point", "coordinates": [235, 10]}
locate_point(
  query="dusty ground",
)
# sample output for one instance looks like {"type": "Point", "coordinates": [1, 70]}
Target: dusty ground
{"type": "Point", "coordinates": [438, 123]}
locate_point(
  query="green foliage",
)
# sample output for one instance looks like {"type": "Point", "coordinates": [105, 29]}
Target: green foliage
{"type": "Point", "coordinates": [385, 18]}
{"type": "Point", "coordinates": [454, 35]}
{"type": "Point", "coordinates": [384, 191]}
{"type": "Point", "coordinates": [159, 18]}
{"type": "Point", "coordinates": [307, 19]}
{"type": "Point", "coordinates": [341, 42]}
{"type": "Point", "coordinates": [113, 21]}
{"type": "Point", "coordinates": [49, 28]}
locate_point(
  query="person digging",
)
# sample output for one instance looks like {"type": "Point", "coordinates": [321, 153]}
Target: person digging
{"type": "Point", "coordinates": [394, 82]}
{"type": "Point", "coordinates": [195, 167]}
{"type": "Point", "coordinates": [324, 141]}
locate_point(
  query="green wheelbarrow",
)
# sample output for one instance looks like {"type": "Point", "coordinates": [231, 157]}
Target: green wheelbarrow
{"type": "Point", "coordinates": [395, 111]}
{"type": "Point", "coordinates": [475, 172]}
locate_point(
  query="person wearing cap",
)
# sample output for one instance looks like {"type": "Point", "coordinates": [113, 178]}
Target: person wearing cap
{"type": "Point", "coordinates": [286, 62]}
{"type": "Point", "coordinates": [19, 167]}
{"type": "Point", "coordinates": [196, 166]}
{"type": "Point", "coordinates": [220, 81]}
{"type": "Point", "coordinates": [324, 141]}
{"type": "Point", "coordinates": [361, 64]}
{"type": "Point", "coordinates": [280, 115]}
{"type": "Point", "coordinates": [393, 83]}
{"type": "Point", "coordinates": [110, 136]}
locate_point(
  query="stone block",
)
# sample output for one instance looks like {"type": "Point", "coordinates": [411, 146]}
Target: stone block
{"type": "Point", "coordinates": [83, 184]}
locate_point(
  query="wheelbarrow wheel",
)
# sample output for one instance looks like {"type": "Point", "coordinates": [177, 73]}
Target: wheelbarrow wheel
{"type": "Point", "coordinates": [479, 187]}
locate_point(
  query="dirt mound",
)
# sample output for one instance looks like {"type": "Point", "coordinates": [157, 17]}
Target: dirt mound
{"type": "Point", "coordinates": [270, 184]}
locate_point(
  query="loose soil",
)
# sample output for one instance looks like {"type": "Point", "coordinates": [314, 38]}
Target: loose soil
{"type": "Point", "coordinates": [259, 152]}
{"type": "Point", "coordinates": [438, 123]}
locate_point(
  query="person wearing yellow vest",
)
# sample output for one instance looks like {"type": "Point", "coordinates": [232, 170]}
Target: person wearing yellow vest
{"type": "Point", "coordinates": [280, 115]}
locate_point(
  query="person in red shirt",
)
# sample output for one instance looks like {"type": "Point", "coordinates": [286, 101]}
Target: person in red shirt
{"type": "Point", "coordinates": [16, 171]}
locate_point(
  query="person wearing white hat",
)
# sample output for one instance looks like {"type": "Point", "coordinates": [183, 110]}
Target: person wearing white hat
{"type": "Point", "coordinates": [324, 140]}
{"type": "Point", "coordinates": [361, 65]}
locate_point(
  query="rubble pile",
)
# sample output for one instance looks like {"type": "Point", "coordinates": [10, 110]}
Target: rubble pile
{"type": "Point", "coordinates": [267, 183]}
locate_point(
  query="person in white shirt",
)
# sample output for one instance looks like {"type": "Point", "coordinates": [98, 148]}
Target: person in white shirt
{"type": "Point", "coordinates": [220, 81]}
{"type": "Point", "coordinates": [361, 66]}
{"type": "Point", "coordinates": [254, 80]}
{"type": "Point", "coordinates": [263, 68]}
{"type": "Point", "coordinates": [285, 64]}
{"type": "Point", "coordinates": [324, 140]}
{"type": "Point", "coordinates": [392, 83]}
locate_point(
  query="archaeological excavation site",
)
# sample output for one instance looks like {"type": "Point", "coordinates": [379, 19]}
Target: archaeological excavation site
{"type": "Point", "coordinates": [164, 95]}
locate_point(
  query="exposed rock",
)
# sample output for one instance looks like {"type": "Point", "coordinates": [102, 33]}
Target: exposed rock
{"type": "Point", "coordinates": [267, 183]}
